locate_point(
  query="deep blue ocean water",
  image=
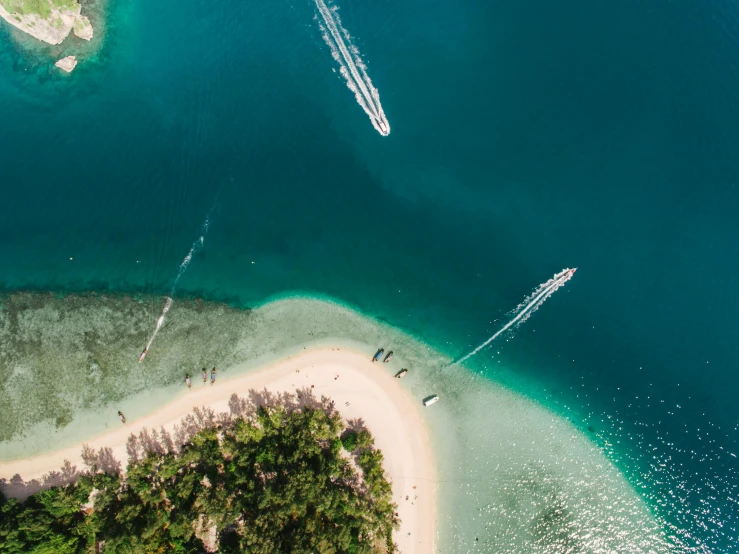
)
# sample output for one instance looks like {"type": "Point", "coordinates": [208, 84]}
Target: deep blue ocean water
{"type": "Point", "coordinates": [526, 137]}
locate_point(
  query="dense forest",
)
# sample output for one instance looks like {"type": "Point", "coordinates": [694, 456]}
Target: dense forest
{"type": "Point", "coordinates": [282, 475]}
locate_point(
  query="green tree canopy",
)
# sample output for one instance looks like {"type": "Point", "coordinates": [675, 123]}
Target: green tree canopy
{"type": "Point", "coordinates": [276, 479]}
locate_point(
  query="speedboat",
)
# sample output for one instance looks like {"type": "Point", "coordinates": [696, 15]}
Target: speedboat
{"type": "Point", "coordinates": [378, 355]}
{"type": "Point", "coordinates": [143, 355]}
{"type": "Point", "coordinates": [387, 358]}
{"type": "Point", "coordinates": [431, 400]}
{"type": "Point", "coordinates": [401, 373]}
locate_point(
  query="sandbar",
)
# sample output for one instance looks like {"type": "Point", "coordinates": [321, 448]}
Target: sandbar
{"type": "Point", "coordinates": [359, 388]}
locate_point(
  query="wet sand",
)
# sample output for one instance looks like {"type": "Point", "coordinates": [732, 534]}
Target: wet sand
{"type": "Point", "coordinates": [359, 388]}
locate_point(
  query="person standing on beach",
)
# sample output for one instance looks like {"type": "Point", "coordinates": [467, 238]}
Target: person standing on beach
{"type": "Point", "coordinates": [212, 376]}
{"type": "Point", "coordinates": [187, 380]}
{"type": "Point", "coordinates": [205, 376]}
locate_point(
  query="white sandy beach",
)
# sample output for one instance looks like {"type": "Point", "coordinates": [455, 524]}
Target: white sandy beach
{"type": "Point", "coordinates": [360, 389]}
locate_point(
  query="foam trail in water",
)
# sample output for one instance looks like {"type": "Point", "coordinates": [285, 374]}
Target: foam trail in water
{"type": "Point", "coordinates": [160, 322]}
{"type": "Point", "coordinates": [196, 246]}
{"type": "Point", "coordinates": [352, 68]}
{"type": "Point", "coordinates": [530, 304]}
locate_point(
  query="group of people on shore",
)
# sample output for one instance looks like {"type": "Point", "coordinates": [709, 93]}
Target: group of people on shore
{"type": "Point", "coordinates": [205, 377]}
{"type": "Point", "coordinates": [188, 380]}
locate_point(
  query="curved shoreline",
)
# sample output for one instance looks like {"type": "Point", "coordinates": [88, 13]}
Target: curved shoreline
{"type": "Point", "coordinates": [359, 388]}
{"type": "Point", "coordinates": [501, 460]}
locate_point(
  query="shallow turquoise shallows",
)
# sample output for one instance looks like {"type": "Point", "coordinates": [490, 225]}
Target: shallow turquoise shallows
{"type": "Point", "coordinates": [526, 137]}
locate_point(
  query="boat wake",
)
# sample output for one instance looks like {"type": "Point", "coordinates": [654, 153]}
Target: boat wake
{"type": "Point", "coordinates": [196, 246]}
{"type": "Point", "coordinates": [160, 322]}
{"type": "Point", "coordinates": [351, 67]}
{"type": "Point", "coordinates": [524, 310]}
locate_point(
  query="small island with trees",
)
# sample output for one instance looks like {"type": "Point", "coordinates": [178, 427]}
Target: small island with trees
{"type": "Point", "coordinates": [278, 473]}
{"type": "Point", "coordinates": [49, 21]}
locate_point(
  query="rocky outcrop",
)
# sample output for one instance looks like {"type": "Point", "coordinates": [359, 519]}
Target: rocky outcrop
{"type": "Point", "coordinates": [67, 64]}
{"type": "Point", "coordinates": [83, 28]}
{"type": "Point", "coordinates": [53, 28]}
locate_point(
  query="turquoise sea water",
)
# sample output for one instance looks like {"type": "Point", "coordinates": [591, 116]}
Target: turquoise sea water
{"type": "Point", "coordinates": [526, 137]}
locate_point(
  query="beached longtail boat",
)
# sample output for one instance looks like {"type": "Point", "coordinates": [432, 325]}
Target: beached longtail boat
{"type": "Point", "coordinates": [431, 400]}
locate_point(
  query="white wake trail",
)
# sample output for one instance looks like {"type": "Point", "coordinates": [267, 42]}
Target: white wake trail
{"type": "Point", "coordinates": [527, 307]}
{"type": "Point", "coordinates": [352, 68]}
{"type": "Point", "coordinates": [160, 322]}
{"type": "Point", "coordinates": [196, 246]}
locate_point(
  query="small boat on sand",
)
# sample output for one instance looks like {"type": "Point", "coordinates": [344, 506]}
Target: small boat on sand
{"type": "Point", "coordinates": [387, 358]}
{"type": "Point", "coordinates": [378, 355]}
{"type": "Point", "coordinates": [431, 400]}
{"type": "Point", "coordinates": [401, 373]}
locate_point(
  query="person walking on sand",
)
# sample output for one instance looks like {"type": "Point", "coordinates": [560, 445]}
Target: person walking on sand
{"type": "Point", "coordinates": [120, 415]}
{"type": "Point", "coordinates": [205, 376]}
{"type": "Point", "coordinates": [187, 380]}
{"type": "Point", "coordinates": [212, 376]}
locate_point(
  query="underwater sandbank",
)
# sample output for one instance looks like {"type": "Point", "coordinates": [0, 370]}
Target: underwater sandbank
{"type": "Point", "coordinates": [511, 475]}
